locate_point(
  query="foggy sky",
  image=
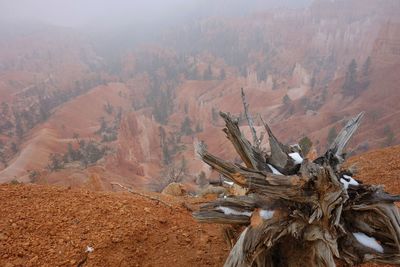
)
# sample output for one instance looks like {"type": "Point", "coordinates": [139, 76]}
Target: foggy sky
{"type": "Point", "coordinates": [83, 12]}
{"type": "Point", "coordinates": [73, 13]}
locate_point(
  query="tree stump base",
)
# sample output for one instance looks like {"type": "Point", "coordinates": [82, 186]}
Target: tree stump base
{"type": "Point", "coordinates": [299, 212]}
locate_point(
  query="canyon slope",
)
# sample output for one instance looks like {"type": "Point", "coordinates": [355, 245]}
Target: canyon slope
{"type": "Point", "coordinates": [78, 113]}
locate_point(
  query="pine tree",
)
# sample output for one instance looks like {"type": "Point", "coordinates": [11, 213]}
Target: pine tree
{"type": "Point", "coordinates": [390, 137]}
{"type": "Point", "coordinates": [366, 66]}
{"type": "Point", "coordinates": [208, 75]}
{"type": "Point", "coordinates": [262, 75]}
{"type": "Point", "coordinates": [286, 100]}
{"type": "Point", "coordinates": [350, 83]}
{"type": "Point", "coordinates": [19, 130]}
{"type": "Point", "coordinates": [4, 108]}
{"type": "Point", "coordinates": [186, 127]}
{"type": "Point", "coordinates": [222, 74]}
{"type": "Point", "coordinates": [214, 114]}
{"type": "Point", "coordinates": [243, 71]}
{"type": "Point", "coordinates": [166, 155]}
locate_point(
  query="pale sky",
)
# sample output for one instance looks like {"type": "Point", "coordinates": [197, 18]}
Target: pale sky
{"type": "Point", "coordinates": [103, 12]}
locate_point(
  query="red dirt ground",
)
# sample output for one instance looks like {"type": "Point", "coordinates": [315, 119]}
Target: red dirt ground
{"type": "Point", "coordinates": [52, 226]}
{"type": "Point", "coordinates": [380, 166]}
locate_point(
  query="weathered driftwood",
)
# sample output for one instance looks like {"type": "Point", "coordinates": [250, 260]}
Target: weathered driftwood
{"type": "Point", "coordinates": [256, 140]}
{"type": "Point", "coordinates": [298, 212]}
{"type": "Point", "coordinates": [142, 195]}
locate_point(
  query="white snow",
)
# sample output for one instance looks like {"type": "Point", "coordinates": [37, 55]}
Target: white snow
{"type": "Point", "coordinates": [296, 157]}
{"type": "Point", "coordinates": [266, 214]}
{"type": "Point", "coordinates": [368, 241]}
{"type": "Point", "coordinates": [89, 249]}
{"type": "Point", "coordinates": [228, 183]}
{"type": "Point", "coordinates": [347, 183]}
{"type": "Point", "coordinates": [352, 181]}
{"type": "Point", "coordinates": [229, 211]}
{"type": "Point", "coordinates": [274, 171]}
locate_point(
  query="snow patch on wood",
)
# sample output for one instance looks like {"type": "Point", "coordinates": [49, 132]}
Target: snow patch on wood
{"type": "Point", "coordinates": [266, 214]}
{"type": "Point", "coordinates": [228, 183]}
{"type": "Point", "coordinates": [368, 241]}
{"type": "Point", "coordinates": [348, 180]}
{"type": "Point", "coordinates": [296, 157]}
{"type": "Point", "coordinates": [229, 211]}
{"type": "Point", "coordinates": [274, 171]}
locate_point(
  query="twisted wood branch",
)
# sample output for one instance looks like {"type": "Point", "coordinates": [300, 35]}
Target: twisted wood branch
{"type": "Point", "coordinates": [300, 212]}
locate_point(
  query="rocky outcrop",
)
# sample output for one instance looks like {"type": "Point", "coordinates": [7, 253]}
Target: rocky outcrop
{"type": "Point", "coordinates": [174, 189]}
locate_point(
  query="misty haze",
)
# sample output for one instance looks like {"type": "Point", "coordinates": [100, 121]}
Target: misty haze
{"type": "Point", "coordinates": [125, 124]}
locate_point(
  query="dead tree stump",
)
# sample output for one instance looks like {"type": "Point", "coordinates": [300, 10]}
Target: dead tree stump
{"type": "Point", "coordinates": [299, 212]}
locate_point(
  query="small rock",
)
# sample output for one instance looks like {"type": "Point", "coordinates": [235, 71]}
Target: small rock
{"type": "Point", "coordinates": [115, 240]}
{"type": "Point", "coordinates": [199, 252]}
{"type": "Point", "coordinates": [34, 259]}
{"type": "Point", "coordinates": [3, 237]}
{"type": "Point", "coordinates": [147, 210]}
{"type": "Point", "coordinates": [162, 220]}
{"type": "Point", "coordinates": [174, 189]}
{"type": "Point", "coordinates": [213, 190]}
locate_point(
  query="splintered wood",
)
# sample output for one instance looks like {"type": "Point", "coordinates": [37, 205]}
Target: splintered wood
{"type": "Point", "coordinates": [298, 212]}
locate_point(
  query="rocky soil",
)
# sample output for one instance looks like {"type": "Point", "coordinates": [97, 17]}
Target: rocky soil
{"type": "Point", "coordinates": [53, 226]}
{"type": "Point", "coordinates": [58, 226]}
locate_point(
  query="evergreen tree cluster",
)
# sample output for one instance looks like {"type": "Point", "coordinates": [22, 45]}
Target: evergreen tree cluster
{"type": "Point", "coordinates": [87, 153]}
{"type": "Point", "coordinates": [353, 84]}
{"type": "Point", "coordinates": [39, 102]}
{"type": "Point", "coordinates": [109, 131]}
